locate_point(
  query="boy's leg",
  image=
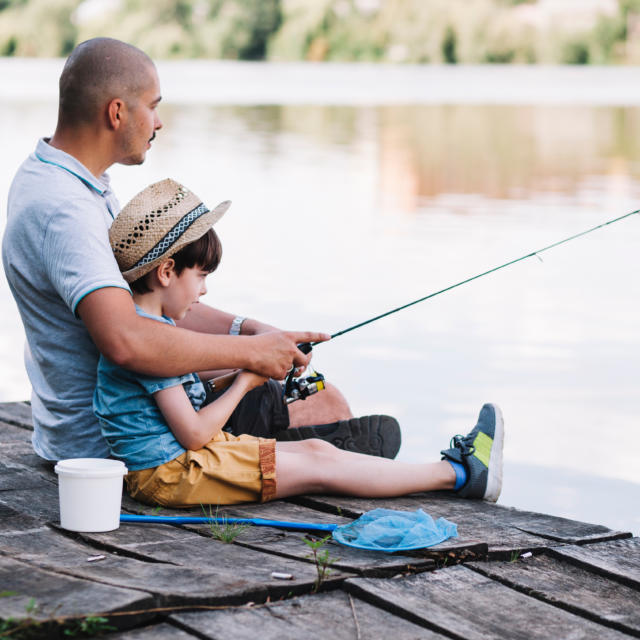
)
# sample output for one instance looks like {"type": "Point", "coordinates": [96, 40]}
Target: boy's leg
{"type": "Point", "coordinates": [315, 466]}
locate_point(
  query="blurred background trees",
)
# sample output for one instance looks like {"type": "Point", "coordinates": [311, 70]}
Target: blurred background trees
{"type": "Point", "coordinates": [411, 31]}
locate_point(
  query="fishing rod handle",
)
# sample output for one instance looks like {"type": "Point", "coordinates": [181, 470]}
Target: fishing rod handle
{"type": "Point", "coordinates": [222, 382]}
{"type": "Point", "coordinates": [305, 347]}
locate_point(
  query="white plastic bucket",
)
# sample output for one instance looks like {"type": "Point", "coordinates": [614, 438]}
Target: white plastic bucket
{"type": "Point", "coordinates": [90, 493]}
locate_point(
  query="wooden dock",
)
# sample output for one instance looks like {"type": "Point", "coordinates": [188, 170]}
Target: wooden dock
{"type": "Point", "coordinates": [511, 574]}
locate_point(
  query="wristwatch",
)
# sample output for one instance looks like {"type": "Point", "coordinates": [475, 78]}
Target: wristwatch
{"type": "Point", "coordinates": [236, 326]}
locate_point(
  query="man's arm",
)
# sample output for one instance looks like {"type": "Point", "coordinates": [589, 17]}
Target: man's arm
{"type": "Point", "coordinates": [154, 348]}
{"type": "Point", "coordinates": [206, 319]}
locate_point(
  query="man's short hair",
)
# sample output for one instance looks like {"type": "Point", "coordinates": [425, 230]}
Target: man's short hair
{"type": "Point", "coordinates": [96, 72]}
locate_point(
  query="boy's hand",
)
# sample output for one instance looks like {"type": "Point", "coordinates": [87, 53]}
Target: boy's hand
{"type": "Point", "coordinates": [276, 352]}
{"type": "Point", "coordinates": [249, 380]}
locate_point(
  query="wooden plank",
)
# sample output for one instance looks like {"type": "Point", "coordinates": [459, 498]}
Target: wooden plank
{"type": "Point", "coordinates": [504, 529]}
{"type": "Point", "coordinates": [22, 454]}
{"type": "Point", "coordinates": [332, 615]}
{"type": "Point", "coordinates": [561, 529]}
{"type": "Point", "coordinates": [12, 521]}
{"type": "Point", "coordinates": [161, 631]}
{"type": "Point", "coordinates": [291, 544]}
{"type": "Point", "coordinates": [40, 502]}
{"type": "Point", "coordinates": [63, 595]}
{"type": "Point", "coordinates": [388, 564]}
{"type": "Point", "coordinates": [464, 604]}
{"type": "Point", "coordinates": [17, 413]}
{"type": "Point", "coordinates": [175, 545]}
{"type": "Point", "coordinates": [210, 583]}
{"type": "Point", "coordinates": [15, 476]}
{"type": "Point", "coordinates": [570, 587]}
{"type": "Point", "coordinates": [617, 559]}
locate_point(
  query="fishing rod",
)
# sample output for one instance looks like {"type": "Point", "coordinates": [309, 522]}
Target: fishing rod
{"type": "Point", "coordinates": [479, 275]}
{"type": "Point", "coordinates": [301, 388]}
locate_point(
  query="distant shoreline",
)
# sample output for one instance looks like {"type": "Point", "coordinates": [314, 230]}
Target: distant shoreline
{"type": "Point", "coordinates": [354, 84]}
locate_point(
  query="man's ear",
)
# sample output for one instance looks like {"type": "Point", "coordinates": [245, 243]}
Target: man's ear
{"type": "Point", "coordinates": [165, 271]}
{"type": "Point", "coordinates": [115, 113]}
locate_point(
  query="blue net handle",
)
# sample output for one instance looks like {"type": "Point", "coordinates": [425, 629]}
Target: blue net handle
{"type": "Point", "coordinates": [259, 522]}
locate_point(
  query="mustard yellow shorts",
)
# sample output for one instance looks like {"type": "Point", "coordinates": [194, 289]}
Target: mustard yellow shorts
{"type": "Point", "coordinates": [228, 470]}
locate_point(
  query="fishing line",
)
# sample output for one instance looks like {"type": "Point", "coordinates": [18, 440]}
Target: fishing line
{"type": "Point", "coordinates": [481, 275]}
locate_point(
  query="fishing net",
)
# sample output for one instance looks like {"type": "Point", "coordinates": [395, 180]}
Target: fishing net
{"type": "Point", "coordinates": [377, 530]}
{"type": "Point", "coordinates": [391, 530]}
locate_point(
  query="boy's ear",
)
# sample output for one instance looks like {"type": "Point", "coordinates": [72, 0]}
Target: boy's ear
{"type": "Point", "coordinates": [165, 271]}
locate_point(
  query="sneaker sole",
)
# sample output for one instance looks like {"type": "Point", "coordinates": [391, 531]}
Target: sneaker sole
{"type": "Point", "coordinates": [376, 435]}
{"type": "Point", "coordinates": [494, 476]}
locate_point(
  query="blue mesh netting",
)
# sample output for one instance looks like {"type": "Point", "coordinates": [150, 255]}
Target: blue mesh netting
{"type": "Point", "coordinates": [390, 530]}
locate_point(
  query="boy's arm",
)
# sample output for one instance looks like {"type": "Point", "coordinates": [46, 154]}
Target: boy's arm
{"type": "Point", "coordinates": [157, 349]}
{"type": "Point", "coordinates": [193, 429]}
{"type": "Point", "coordinates": [206, 319]}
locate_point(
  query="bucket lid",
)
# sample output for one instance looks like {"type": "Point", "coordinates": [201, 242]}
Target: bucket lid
{"type": "Point", "coordinates": [91, 468]}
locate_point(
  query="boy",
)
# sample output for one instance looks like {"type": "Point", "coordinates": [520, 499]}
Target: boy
{"type": "Point", "coordinates": [176, 449]}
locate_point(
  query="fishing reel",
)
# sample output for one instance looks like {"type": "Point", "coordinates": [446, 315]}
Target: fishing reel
{"type": "Point", "coordinates": [301, 388]}
{"type": "Point", "coordinates": [294, 388]}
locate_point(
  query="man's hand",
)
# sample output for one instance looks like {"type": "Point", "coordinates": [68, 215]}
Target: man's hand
{"type": "Point", "coordinates": [276, 352]}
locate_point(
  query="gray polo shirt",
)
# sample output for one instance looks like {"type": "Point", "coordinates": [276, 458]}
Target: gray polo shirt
{"type": "Point", "coordinates": [55, 251]}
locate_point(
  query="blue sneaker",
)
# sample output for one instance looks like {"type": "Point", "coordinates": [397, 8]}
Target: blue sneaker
{"type": "Point", "coordinates": [480, 453]}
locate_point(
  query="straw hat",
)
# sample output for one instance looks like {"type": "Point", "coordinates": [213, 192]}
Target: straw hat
{"type": "Point", "coordinates": [156, 223]}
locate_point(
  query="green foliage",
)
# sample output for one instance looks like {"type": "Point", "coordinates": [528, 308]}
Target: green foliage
{"type": "Point", "coordinates": [224, 531]}
{"type": "Point", "coordinates": [321, 558]}
{"type": "Point", "coordinates": [449, 46]}
{"type": "Point", "coordinates": [37, 27]}
{"type": "Point", "coordinates": [413, 31]}
{"type": "Point", "coordinates": [575, 52]}
{"type": "Point", "coordinates": [88, 627]}
{"type": "Point", "coordinates": [50, 628]}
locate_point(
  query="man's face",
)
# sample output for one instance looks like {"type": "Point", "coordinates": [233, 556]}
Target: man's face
{"type": "Point", "coordinates": [142, 121]}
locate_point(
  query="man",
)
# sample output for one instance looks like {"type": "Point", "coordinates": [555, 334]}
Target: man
{"type": "Point", "coordinates": [74, 303]}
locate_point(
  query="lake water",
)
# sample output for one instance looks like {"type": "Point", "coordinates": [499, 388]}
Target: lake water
{"type": "Point", "coordinates": [358, 189]}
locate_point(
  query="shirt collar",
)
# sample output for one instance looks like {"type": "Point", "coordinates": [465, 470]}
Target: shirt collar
{"type": "Point", "coordinates": [50, 155]}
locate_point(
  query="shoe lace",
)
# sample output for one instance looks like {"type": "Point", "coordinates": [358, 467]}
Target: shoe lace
{"type": "Point", "coordinates": [464, 443]}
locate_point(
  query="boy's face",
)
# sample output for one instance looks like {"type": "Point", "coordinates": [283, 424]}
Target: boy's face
{"type": "Point", "coordinates": [183, 291]}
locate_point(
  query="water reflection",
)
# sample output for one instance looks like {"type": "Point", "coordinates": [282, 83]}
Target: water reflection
{"type": "Point", "coordinates": [341, 212]}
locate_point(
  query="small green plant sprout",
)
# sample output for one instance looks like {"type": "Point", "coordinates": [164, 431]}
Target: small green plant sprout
{"type": "Point", "coordinates": [156, 509]}
{"type": "Point", "coordinates": [224, 531]}
{"type": "Point", "coordinates": [514, 556]}
{"type": "Point", "coordinates": [88, 627]}
{"type": "Point", "coordinates": [29, 628]}
{"type": "Point", "coordinates": [322, 559]}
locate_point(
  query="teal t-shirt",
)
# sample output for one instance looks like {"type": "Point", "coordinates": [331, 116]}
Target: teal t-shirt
{"type": "Point", "coordinates": [129, 417]}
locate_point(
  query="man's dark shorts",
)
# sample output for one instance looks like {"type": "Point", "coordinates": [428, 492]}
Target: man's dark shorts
{"type": "Point", "coordinates": [261, 413]}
